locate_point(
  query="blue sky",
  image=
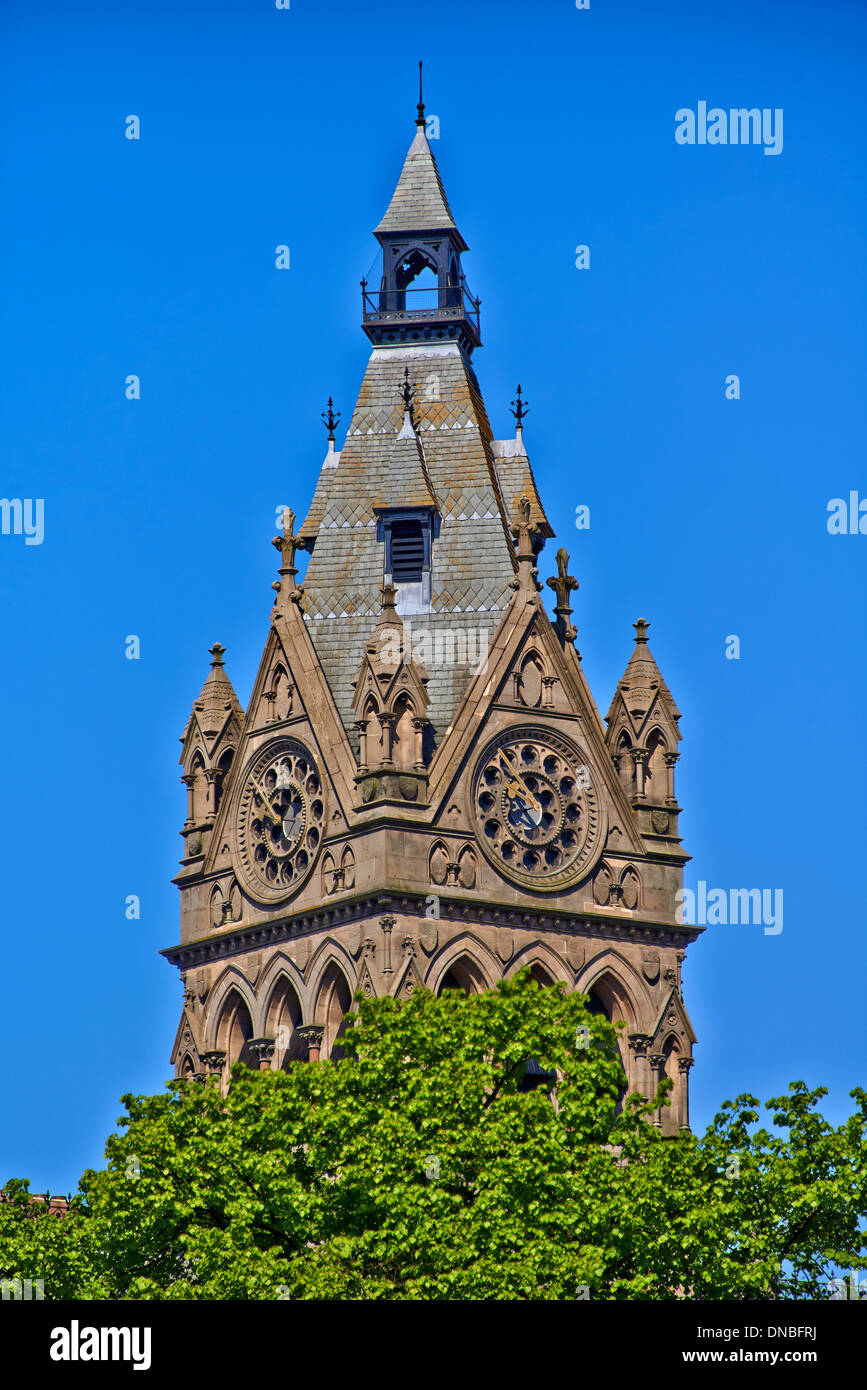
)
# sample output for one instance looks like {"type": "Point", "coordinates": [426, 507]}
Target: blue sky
{"type": "Point", "coordinates": [708, 516]}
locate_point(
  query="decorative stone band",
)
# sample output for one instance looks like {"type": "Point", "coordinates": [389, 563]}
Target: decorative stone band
{"type": "Point", "coordinates": [453, 908]}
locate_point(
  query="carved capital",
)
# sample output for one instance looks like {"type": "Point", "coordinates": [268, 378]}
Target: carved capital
{"type": "Point", "coordinates": [311, 1035]}
{"type": "Point", "coordinates": [264, 1050]}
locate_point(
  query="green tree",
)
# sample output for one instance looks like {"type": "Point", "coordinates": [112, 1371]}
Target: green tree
{"type": "Point", "coordinates": [425, 1166]}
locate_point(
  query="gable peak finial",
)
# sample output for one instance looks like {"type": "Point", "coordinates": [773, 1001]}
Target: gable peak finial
{"type": "Point", "coordinates": [330, 419]}
{"type": "Point", "coordinates": [287, 544]}
{"type": "Point", "coordinates": [641, 630]}
{"type": "Point", "coordinates": [519, 409]}
{"type": "Point", "coordinates": [563, 585]}
{"type": "Point", "coordinates": [419, 120]}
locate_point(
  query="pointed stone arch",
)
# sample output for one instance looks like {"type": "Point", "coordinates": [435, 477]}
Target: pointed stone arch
{"type": "Point", "coordinates": [623, 762]}
{"type": "Point", "coordinates": [332, 1001]}
{"type": "Point", "coordinates": [602, 881]}
{"type": "Point", "coordinates": [404, 737]}
{"type": "Point", "coordinates": [672, 1115]}
{"type": "Point", "coordinates": [470, 959]}
{"type": "Point", "coordinates": [630, 888]}
{"type": "Point", "coordinates": [235, 1029]}
{"type": "Point", "coordinates": [618, 986]}
{"type": "Point", "coordinates": [231, 979]}
{"type": "Point", "coordinates": [281, 693]}
{"type": "Point", "coordinates": [283, 1012]}
{"type": "Point", "coordinates": [347, 867]}
{"type": "Point", "coordinates": [413, 261]}
{"type": "Point", "coordinates": [656, 772]}
{"type": "Point", "coordinates": [542, 960]}
{"type": "Point", "coordinates": [372, 733]}
{"type": "Point", "coordinates": [467, 867]}
{"type": "Point", "coordinates": [438, 863]}
{"type": "Point", "coordinates": [281, 966]}
{"type": "Point", "coordinates": [199, 786]}
{"type": "Point", "coordinates": [221, 773]}
{"type": "Point", "coordinates": [531, 675]}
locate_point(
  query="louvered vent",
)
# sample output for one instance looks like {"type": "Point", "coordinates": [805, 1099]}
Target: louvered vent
{"type": "Point", "coordinates": [407, 552]}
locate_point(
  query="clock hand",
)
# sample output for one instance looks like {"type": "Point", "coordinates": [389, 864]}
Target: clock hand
{"type": "Point", "coordinates": [264, 795]}
{"type": "Point", "coordinates": [516, 786]}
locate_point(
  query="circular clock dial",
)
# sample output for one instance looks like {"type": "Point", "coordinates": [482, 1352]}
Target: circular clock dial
{"type": "Point", "coordinates": [280, 819]}
{"type": "Point", "coordinates": [537, 814]}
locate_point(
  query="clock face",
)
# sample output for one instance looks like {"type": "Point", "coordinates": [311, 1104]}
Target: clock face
{"type": "Point", "coordinates": [537, 813]}
{"type": "Point", "coordinates": [280, 819]}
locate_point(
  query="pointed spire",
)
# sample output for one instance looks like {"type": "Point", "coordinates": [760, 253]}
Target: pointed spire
{"type": "Point", "coordinates": [419, 201]}
{"type": "Point", "coordinates": [217, 695]}
{"type": "Point", "coordinates": [641, 681]}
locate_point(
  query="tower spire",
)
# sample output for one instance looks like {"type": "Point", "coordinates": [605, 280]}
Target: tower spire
{"type": "Point", "coordinates": [419, 120]}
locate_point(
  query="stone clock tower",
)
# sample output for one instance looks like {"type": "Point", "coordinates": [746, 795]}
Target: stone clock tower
{"type": "Point", "coordinates": [421, 790]}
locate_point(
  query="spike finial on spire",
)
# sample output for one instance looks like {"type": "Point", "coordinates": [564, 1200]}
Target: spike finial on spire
{"type": "Point", "coordinates": [419, 120]}
{"type": "Point", "coordinates": [407, 393]}
{"type": "Point", "coordinates": [331, 420]}
{"type": "Point", "coordinates": [519, 409]}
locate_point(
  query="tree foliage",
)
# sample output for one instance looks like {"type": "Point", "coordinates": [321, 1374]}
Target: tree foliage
{"type": "Point", "coordinates": [422, 1167]}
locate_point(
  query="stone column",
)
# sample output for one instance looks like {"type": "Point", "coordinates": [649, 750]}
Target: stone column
{"type": "Point", "coordinates": [639, 757]}
{"type": "Point", "coordinates": [548, 683]}
{"type": "Point", "coordinates": [215, 1062]}
{"type": "Point", "coordinates": [419, 725]}
{"type": "Point", "coordinates": [264, 1050]}
{"type": "Point", "coordinates": [189, 781]}
{"type": "Point", "coordinates": [211, 803]}
{"type": "Point", "coordinates": [638, 1045]}
{"type": "Point", "coordinates": [683, 1064]}
{"type": "Point", "coordinates": [387, 722]}
{"type": "Point", "coordinates": [657, 1062]}
{"type": "Point", "coordinates": [361, 726]}
{"type": "Point", "coordinates": [670, 760]}
{"type": "Point", "coordinates": [387, 924]}
{"type": "Point", "coordinates": [311, 1034]}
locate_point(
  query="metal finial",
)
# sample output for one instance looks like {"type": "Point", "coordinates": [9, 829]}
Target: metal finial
{"type": "Point", "coordinates": [407, 393]}
{"type": "Point", "coordinates": [419, 120]}
{"type": "Point", "coordinates": [331, 420]}
{"type": "Point", "coordinates": [519, 409]}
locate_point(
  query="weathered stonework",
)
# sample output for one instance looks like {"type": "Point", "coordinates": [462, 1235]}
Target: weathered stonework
{"type": "Point", "coordinates": [421, 791]}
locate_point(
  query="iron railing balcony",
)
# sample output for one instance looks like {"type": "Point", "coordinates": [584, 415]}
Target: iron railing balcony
{"type": "Point", "coordinates": [432, 304]}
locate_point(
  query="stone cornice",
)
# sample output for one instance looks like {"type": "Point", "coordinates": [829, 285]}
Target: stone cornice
{"type": "Point", "coordinates": [595, 922]}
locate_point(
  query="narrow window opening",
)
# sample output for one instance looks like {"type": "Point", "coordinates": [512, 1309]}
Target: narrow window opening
{"type": "Point", "coordinates": [407, 552]}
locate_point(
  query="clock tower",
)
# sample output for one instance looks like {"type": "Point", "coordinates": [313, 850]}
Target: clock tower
{"type": "Point", "coordinates": [421, 791]}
